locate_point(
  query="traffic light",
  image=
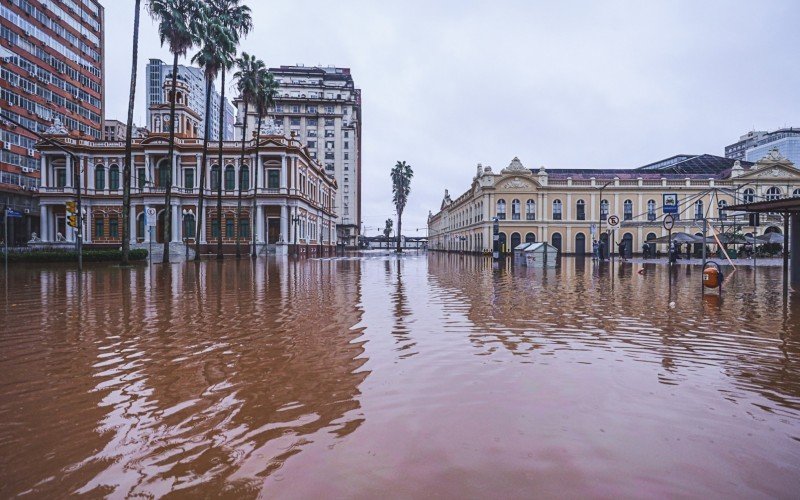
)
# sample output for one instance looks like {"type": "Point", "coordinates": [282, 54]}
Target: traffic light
{"type": "Point", "coordinates": [72, 221]}
{"type": "Point", "coordinates": [72, 214]}
{"type": "Point", "coordinates": [71, 207]}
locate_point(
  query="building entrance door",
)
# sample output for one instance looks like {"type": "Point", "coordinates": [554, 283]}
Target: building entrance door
{"type": "Point", "coordinates": [273, 230]}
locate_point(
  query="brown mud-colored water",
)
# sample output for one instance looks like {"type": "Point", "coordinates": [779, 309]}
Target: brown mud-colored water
{"type": "Point", "coordinates": [377, 376]}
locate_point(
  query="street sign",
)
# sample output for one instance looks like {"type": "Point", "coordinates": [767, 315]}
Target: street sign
{"type": "Point", "coordinates": [669, 222]}
{"type": "Point", "coordinates": [13, 214]}
{"type": "Point", "coordinates": [670, 203]}
{"type": "Point", "coordinates": [613, 221]}
{"type": "Point", "coordinates": [150, 216]}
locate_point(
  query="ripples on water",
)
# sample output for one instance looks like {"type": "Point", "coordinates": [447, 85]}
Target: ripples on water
{"type": "Point", "coordinates": [419, 376]}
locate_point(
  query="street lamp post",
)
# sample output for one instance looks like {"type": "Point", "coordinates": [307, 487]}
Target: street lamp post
{"type": "Point", "coordinates": [295, 221]}
{"type": "Point", "coordinates": [600, 215]}
{"type": "Point", "coordinates": [495, 238]}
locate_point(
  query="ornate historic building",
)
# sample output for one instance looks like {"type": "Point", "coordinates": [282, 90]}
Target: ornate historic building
{"type": "Point", "coordinates": [294, 198]}
{"type": "Point", "coordinates": [569, 207]}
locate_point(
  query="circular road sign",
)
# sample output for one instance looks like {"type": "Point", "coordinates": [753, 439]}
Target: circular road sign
{"type": "Point", "coordinates": [613, 221]}
{"type": "Point", "coordinates": [669, 222]}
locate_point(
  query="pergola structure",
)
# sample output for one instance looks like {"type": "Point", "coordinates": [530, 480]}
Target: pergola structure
{"type": "Point", "coordinates": [790, 208]}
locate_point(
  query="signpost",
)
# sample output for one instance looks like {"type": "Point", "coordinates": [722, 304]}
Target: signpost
{"type": "Point", "coordinates": [150, 222]}
{"type": "Point", "coordinates": [670, 203]}
{"type": "Point", "coordinates": [613, 223]}
{"type": "Point", "coordinates": [669, 223]}
{"type": "Point", "coordinates": [14, 215]}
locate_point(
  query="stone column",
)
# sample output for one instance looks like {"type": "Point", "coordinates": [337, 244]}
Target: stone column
{"type": "Point", "coordinates": [132, 223]}
{"type": "Point", "coordinates": [794, 249]}
{"type": "Point", "coordinates": [202, 235]}
{"type": "Point", "coordinates": [175, 230]}
{"type": "Point", "coordinates": [147, 232]}
{"type": "Point", "coordinates": [261, 236]}
{"type": "Point", "coordinates": [283, 174]}
{"type": "Point", "coordinates": [44, 223]}
{"type": "Point", "coordinates": [284, 224]}
{"type": "Point", "coordinates": [70, 180]}
{"type": "Point", "coordinates": [43, 170]}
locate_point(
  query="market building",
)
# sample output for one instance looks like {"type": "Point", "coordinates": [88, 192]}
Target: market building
{"type": "Point", "coordinates": [294, 198]}
{"type": "Point", "coordinates": [570, 207]}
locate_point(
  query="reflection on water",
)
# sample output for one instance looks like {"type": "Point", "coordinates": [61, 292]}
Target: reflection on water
{"type": "Point", "coordinates": [419, 376]}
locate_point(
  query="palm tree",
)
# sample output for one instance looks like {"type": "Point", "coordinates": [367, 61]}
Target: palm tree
{"type": "Point", "coordinates": [235, 20]}
{"type": "Point", "coordinates": [177, 27]}
{"type": "Point", "coordinates": [126, 168]}
{"type": "Point", "coordinates": [217, 49]}
{"type": "Point", "coordinates": [387, 229]}
{"type": "Point", "coordinates": [401, 187]}
{"type": "Point", "coordinates": [265, 99]}
{"type": "Point", "coordinates": [251, 71]}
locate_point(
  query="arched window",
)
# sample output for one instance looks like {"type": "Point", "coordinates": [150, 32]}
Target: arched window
{"type": "Point", "coordinates": [215, 177]}
{"type": "Point", "coordinates": [516, 239]}
{"type": "Point", "coordinates": [530, 210]}
{"type": "Point", "coordinates": [229, 227]}
{"type": "Point", "coordinates": [189, 225]}
{"type": "Point", "coordinates": [581, 210]}
{"type": "Point", "coordinates": [748, 195]}
{"type": "Point", "coordinates": [698, 209]}
{"type": "Point", "coordinates": [501, 209]}
{"type": "Point", "coordinates": [244, 177]}
{"type": "Point", "coordinates": [501, 239]}
{"type": "Point", "coordinates": [627, 210]}
{"type": "Point", "coordinates": [580, 244]}
{"type": "Point", "coordinates": [796, 192]}
{"type": "Point", "coordinates": [113, 177]}
{"type": "Point", "coordinates": [603, 209]}
{"type": "Point", "coordinates": [99, 177]}
{"type": "Point", "coordinates": [556, 209]}
{"type": "Point", "coordinates": [515, 210]}
{"type": "Point", "coordinates": [230, 178]}
{"type": "Point", "coordinates": [530, 238]}
{"type": "Point", "coordinates": [773, 193]}
{"type": "Point", "coordinates": [651, 210]}
{"type": "Point", "coordinates": [721, 207]}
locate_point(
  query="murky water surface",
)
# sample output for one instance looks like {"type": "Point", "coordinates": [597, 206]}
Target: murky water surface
{"type": "Point", "coordinates": [383, 377]}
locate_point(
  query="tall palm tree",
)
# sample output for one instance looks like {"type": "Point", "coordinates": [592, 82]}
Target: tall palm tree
{"type": "Point", "coordinates": [251, 71]}
{"type": "Point", "coordinates": [236, 21]}
{"type": "Point", "coordinates": [265, 99]}
{"type": "Point", "coordinates": [177, 27]}
{"type": "Point", "coordinates": [401, 187]}
{"type": "Point", "coordinates": [126, 168]}
{"type": "Point", "coordinates": [217, 50]}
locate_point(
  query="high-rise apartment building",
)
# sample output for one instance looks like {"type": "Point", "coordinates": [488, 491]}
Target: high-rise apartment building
{"type": "Point", "coordinates": [51, 69]}
{"type": "Point", "coordinates": [321, 107]}
{"type": "Point", "coordinates": [757, 144]}
{"type": "Point", "coordinates": [158, 71]}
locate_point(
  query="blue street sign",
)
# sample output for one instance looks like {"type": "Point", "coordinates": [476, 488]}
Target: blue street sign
{"type": "Point", "coordinates": [670, 203]}
{"type": "Point", "coordinates": [13, 213]}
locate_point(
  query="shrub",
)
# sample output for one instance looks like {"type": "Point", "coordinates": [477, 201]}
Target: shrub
{"type": "Point", "coordinates": [72, 256]}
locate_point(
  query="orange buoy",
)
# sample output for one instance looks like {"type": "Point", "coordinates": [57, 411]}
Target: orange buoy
{"type": "Point", "coordinates": [712, 277]}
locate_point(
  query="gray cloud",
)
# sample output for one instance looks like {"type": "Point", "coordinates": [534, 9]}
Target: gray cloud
{"type": "Point", "coordinates": [582, 84]}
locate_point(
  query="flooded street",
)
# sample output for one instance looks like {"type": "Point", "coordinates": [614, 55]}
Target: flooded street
{"type": "Point", "coordinates": [427, 375]}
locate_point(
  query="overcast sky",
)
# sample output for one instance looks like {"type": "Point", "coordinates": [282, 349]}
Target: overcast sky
{"type": "Point", "coordinates": [448, 84]}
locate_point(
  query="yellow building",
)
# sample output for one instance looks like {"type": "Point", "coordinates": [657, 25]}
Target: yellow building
{"type": "Point", "coordinates": [569, 207]}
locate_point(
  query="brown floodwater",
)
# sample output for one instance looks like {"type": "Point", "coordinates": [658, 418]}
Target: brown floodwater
{"type": "Point", "coordinates": [427, 375]}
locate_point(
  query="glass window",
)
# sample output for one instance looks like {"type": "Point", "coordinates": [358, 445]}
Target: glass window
{"type": "Point", "coordinates": [501, 209]}
{"type": "Point", "coordinates": [244, 177]}
{"type": "Point", "coordinates": [651, 210]}
{"type": "Point", "coordinates": [581, 210]}
{"type": "Point", "coordinates": [515, 209]}
{"type": "Point", "coordinates": [530, 210]}
{"type": "Point", "coordinates": [311, 122]}
{"type": "Point", "coordinates": [113, 177]}
{"type": "Point", "coordinates": [698, 209]}
{"type": "Point", "coordinates": [98, 227]}
{"type": "Point", "coordinates": [749, 195]}
{"type": "Point", "coordinates": [188, 178]}
{"type": "Point", "coordinates": [113, 227]}
{"type": "Point", "coordinates": [215, 228]}
{"type": "Point", "coordinates": [329, 122]}
{"type": "Point", "coordinates": [557, 210]}
{"type": "Point", "coordinates": [244, 228]}
{"type": "Point", "coordinates": [229, 228]}
{"type": "Point", "coordinates": [163, 172]}
{"type": "Point", "coordinates": [100, 178]}
{"type": "Point", "coordinates": [61, 177]}
{"type": "Point", "coordinates": [273, 179]}
{"type": "Point", "coordinates": [230, 178]}
{"type": "Point", "coordinates": [603, 209]}
{"type": "Point", "coordinates": [627, 210]}
{"type": "Point", "coordinates": [189, 226]}
{"type": "Point", "coordinates": [141, 177]}
{"type": "Point", "coordinates": [773, 193]}
{"type": "Point", "coordinates": [215, 177]}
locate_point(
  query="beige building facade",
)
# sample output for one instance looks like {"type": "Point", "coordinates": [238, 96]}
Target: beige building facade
{"type": "Point", "coordinates": [569, 208]}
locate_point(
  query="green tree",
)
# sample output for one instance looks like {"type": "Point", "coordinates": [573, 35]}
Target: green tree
{"type": "Point", "coordinates": [126, 168]}
{"type": "Point", "coordinates": [251, 72]}
{"type": "Point", "coordinates": [401, 188]}
{"type": "Point", "coordinates": [177, 26]}
{"type": "Point", "coordinates": [265, 99]}
{"type": "Point", "coordinates": [387, 230]}
{"type": "Point", "coordinates": [236, 21]}
{"type": "Point", "coordinates": [217, 49]}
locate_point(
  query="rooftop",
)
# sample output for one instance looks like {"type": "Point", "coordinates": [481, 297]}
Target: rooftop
{"type": "Point", "coordinates": [675, 167]}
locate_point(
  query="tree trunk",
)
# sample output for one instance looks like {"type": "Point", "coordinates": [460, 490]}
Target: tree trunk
{"type": "Point", "coordinates": [255, 190]}
{"type": "Point", "coordinates": [171, 159]}
{"type": "Point", "coordinates": [399, 229]}
{"type": "Point", "coordinates": [239, 193]}
{"type": "Point", "coordinates": [202, 173]}
{"type": "Point", "coordinates": [126, 168]}
{"type": "Point", "coordinates": [221, 166]}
